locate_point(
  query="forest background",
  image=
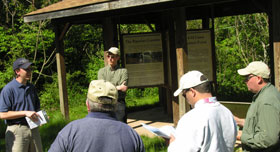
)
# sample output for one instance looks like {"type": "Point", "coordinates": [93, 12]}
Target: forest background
{"type": "Point", "coordinates": [238, 41]}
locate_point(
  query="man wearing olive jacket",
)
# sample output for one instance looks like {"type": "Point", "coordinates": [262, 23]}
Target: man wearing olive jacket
{"type": "Point", "coordinates": [261, 128]}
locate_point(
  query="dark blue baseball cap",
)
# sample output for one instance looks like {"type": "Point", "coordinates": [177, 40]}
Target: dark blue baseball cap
{"type": "Point", "coordinates": [21, 63]}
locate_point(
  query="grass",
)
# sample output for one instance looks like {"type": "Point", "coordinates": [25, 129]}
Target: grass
{"type": "Point", "coordinates": [49, 131]}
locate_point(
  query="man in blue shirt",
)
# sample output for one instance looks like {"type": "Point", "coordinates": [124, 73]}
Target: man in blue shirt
{"type": "Point", "coordinates": [99, 131]}
{"type": "Point", "coordinates": [18, 100]}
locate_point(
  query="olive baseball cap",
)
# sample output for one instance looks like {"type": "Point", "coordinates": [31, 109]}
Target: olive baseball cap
{"type": "Point", "coordinates": [101, 88]}
{"type": "Point", "coordinates": [257, 68]}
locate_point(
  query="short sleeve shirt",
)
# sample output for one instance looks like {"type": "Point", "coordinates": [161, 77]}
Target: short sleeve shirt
{"type": "Point", "coordinates": [18, 97]}
{"type": "Point", "coordinates": [116, 76]}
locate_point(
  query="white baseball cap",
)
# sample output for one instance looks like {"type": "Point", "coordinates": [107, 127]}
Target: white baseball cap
{"type": "Point", "coordinates": [257, 68]}
{"type": "Point", "coordinates": [189, 80]}
{"type": "Point", "coordinates": [114, 50]}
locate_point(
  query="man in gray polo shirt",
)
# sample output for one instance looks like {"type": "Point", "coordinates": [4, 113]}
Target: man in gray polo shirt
{"type": "Point", "coordinates": [117, 76]}
{"type": "Point", "coordinates": [99, 131]}
{"type": "Point", "coordinates": [19, 100]}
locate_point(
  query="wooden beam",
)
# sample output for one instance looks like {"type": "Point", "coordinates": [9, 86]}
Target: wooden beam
{"type": "Point", "coordinates": [276, 40]}
{"type": "Point", "coordinates": [61, 73]}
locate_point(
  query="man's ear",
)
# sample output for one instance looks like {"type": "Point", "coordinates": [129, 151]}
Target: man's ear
{"type": "Point", "coordinates": [193, 92]}
{"type": "Point", "coordinates": [88, 108]}
{"type": "Point", "coordinates": [260, 80]}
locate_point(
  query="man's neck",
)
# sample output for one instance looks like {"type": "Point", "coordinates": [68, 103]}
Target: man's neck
{"type": "Point", "coordinates": [113, 67]}
{"type": "Point", "coordinates": [20, 80]}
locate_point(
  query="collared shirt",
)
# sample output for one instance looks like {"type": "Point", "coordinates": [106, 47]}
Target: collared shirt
{"type": "Point", "coordinates": [209, 127]}
{"type": "Point", "coordinates": [18, 97]}
{"type": "Point", "coordinates": [261, 131]}
{"type": "Point", "coordinates": [98, 132]}
{"type": "Point", "coordinates": [116, 76]}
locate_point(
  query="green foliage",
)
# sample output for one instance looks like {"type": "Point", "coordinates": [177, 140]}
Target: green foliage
{"type": "Point", "coordinates": [239, 40]}
{"type": "Point", "coordinates": [136, 28]}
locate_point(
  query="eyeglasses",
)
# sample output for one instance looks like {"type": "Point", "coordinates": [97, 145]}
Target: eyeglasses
{"type": "Point", "coordinates": [184, 92]}
{"type": "Point", "coordinates": [248, 77]}
{"type": "Point", "coordinates": [111, 56]}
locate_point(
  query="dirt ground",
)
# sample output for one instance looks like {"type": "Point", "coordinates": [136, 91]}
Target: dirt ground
{"type": "Point", "coordinates": [154, 117]}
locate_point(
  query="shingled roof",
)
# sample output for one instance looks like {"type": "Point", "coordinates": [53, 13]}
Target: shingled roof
{"type": "Point", "coordinates": [67, 8]}
{"type": "Point", "coordinates": [66, 4]}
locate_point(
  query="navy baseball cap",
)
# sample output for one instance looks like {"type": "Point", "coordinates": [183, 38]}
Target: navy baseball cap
{"type": "Point", "coordinates": [21, 63]}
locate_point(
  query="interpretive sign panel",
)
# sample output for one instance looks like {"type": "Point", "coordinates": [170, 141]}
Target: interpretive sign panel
{"type": "Point", "coordinates": [200, 52]}
{"type": "Point", "coordinates": [143, 59]}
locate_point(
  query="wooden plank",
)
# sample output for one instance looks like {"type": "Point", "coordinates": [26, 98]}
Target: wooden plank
{"type": "Point", "coordinates": [61, 73]}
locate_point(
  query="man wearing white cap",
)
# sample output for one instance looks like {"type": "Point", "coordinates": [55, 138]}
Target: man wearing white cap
{"type": "Point", "coordinates": [261, 128]}
{"type": "Point", "coordinates": [209, 126]}
{"type": "Point", "coordinates": [99, 131]}
{"type": "Point", "coordinates": [119, 77]}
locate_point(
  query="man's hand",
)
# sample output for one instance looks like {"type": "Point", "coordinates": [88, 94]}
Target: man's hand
{"type": "Point", "coordinates": [122, 87]}
{"type": "Point", "coordinates": [240, 122]}
{"type": "Point", "coordinates": [239, 134]}
{"type": "Point", "coordinates": [169, 140]}
{"type": "Point", "coordinates": [32, 115]}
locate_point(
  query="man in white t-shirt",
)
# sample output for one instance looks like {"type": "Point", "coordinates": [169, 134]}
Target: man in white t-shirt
{"type": "Point", "coordinates": [209, 126]}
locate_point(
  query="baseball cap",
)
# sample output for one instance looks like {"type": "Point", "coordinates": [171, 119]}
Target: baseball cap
{"type": "Point", "coordinates": [257, 68]}
{"type": "Point", "coordinates": [101, 88]}
{"type": "Point", "coordinates": [114, 50]}
{"type": "Point", "coordinates": [189, 80]}
{"type": "Point", "coordinates": [21, 63]}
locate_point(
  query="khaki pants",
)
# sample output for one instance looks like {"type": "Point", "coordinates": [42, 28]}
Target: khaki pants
{"type": "Point", "coordinates": [19, 138]}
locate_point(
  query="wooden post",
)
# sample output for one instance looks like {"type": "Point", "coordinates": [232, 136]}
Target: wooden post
{"type": "Point", "coordinates": [276, 40]}
{"type": "Point", "coordinates": [172, 102]}
{"type": "Point", "coordinates": [61, 72]}
{"type": "Point", "coordinates": [110, 36]}
{"type": "Point", "coordinates": [181, 48]}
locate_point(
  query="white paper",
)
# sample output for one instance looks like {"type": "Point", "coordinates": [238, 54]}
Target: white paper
{"type": "Point", "coordinates": [43, 119]}
{"type": "Point", "coordinates": [164, 131]}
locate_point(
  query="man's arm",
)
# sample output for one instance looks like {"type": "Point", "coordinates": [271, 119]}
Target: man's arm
{"type": "Point", "coordinates": [122, 87]}
{"type": "Point", "coordinates": [19, 114]}
{"type": "Point", "coordinates": [124, 79]}
{"type": "Point", "coordinates": [239, 121]}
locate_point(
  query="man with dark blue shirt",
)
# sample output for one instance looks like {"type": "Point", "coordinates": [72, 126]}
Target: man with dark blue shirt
{"type": "Point", "coordinates": [99, 131]}
{"type": "Point", "coordinates": [18, 100]}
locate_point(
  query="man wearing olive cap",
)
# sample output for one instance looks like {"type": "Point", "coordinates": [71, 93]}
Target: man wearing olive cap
{"type": "Point", "coordinates": [261, 128]}
{"type": "Point", "coordinates": [19, 100]}
{"type": "Point", "coordinates": [99, 131]}
{"type": "Point", "coordinates": [117, 76]}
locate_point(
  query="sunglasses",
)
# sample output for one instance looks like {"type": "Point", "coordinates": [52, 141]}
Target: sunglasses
{"type": "Point", "coordinates": [184, 92]}
{"type": "Point", "coordinates": [248, 77]}
{"type": "Point", "coordinates": [111, 56]}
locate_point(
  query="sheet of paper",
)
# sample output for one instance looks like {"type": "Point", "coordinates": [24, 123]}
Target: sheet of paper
{"type": "Point", "coordinates": [164, 131]}
{"type": "Point", "coordinates": [43, 119]}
